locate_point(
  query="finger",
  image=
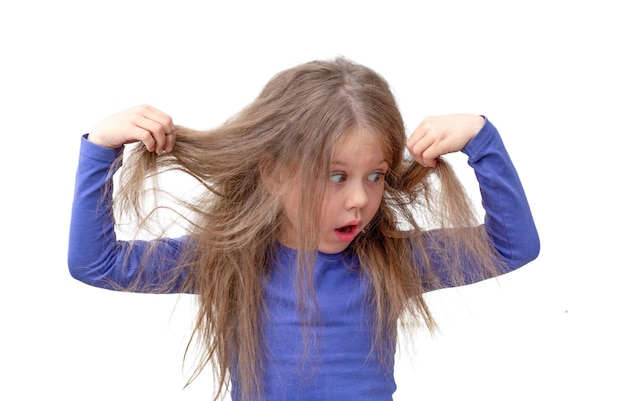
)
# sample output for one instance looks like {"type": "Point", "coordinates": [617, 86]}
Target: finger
{"type": "Point", "coordinates": [415, 137]}
{"type": "Point", "coordinates": [170, 140]}
{"type": "Point", "coordinates": [157, 126]}
{"type": "Point", "coordinates": [142, 135]}
{"type": "Point", "coordinates": [164, 133]}
{"type": "Point", "coordinates": [160, 117]}
{"type": "Point", "coordinates": [429, 156]}
{"type": "Point", "coordinates": [417, 145]}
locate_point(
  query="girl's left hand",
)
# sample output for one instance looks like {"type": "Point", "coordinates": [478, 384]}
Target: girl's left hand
{"type": "Point", "coordinates": [439, 135]}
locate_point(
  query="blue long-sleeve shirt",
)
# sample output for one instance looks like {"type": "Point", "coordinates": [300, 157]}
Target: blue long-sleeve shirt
{"type": "Point", "coordinates": [340, 364]}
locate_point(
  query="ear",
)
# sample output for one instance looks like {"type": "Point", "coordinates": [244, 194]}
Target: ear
{"type": "Point", "coordinates": [270, 176]}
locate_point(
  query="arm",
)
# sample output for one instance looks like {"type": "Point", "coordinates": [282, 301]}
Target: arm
{"type": "Point", "coordinates": [508, 221]}
{"type": "Point", "coordinates": [508, 218]}
{"type": "Point", "coordinates": [95, 256]}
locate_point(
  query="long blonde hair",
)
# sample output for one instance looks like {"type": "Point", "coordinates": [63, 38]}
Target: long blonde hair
{"type": "Point", "coordinates": [295, 122]}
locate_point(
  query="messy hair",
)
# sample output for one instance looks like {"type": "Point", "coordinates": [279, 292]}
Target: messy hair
{"type": "Point", "coordinates": [294, 125]}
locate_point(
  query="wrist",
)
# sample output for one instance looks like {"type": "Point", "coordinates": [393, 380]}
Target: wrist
{"type": "Point", "coordinates": [95, 139]}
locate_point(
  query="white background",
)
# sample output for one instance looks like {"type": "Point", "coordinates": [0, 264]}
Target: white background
{"type": "Point", "coordinates": [549, 75]}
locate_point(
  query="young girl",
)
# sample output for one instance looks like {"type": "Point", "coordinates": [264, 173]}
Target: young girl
{"type": "Point", "coordinates": [316, 236]}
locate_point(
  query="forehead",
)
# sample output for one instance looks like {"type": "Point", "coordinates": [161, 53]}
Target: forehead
{"type": "Point", "coordinates": [359, 144]}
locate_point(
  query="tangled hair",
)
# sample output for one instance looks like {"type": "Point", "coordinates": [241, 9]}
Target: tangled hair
{"type": "Point", "coordinates": [294, 125]}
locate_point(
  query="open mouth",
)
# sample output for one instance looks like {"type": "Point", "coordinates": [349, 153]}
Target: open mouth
{"type": "Point", "coordinates": [347, 229]}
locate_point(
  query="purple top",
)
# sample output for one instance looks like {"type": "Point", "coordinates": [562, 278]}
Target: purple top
{"type": "Point", "coordinates": [339, 365]}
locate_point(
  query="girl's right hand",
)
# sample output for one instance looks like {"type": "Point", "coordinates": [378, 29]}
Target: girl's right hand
{"type": "Point", "coordinates": [141, 123]}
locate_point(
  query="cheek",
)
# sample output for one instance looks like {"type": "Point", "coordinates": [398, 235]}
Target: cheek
{"type": "Point", "coordinates": [329, 208]}
{"type": "Point", "coordinates": [375, 200]}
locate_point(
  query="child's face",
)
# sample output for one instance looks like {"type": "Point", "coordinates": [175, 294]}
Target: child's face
{"type": "Point", "coordinates": [357, 182]}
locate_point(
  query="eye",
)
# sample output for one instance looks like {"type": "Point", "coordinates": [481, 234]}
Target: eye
{"type": "Point", "coordinates": [376, 177]}
{"type": "Point", "coordinates": [338, 178]}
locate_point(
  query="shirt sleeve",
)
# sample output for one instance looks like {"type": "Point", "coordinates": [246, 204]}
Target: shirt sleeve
{"type": "Point", "coordinates": [95, 255]}
{"type": "Point", "coordinates": [508, 218]}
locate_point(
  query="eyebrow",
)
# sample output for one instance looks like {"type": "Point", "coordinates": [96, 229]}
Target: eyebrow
{"type": "Point", "coordinates": [341, 163]}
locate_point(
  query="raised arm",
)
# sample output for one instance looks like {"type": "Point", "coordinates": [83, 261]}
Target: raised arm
{"type": "Point", "coordinates": [95, 256]}
{"type": "Point", "coordinates": [508, 219]}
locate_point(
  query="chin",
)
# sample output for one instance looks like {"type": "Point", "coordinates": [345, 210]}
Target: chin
{"type": "Point", "coordinates": [334, 248]}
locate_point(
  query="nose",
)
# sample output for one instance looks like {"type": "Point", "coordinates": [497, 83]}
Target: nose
{"type": "Point", "coordinates": [356, 196]}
